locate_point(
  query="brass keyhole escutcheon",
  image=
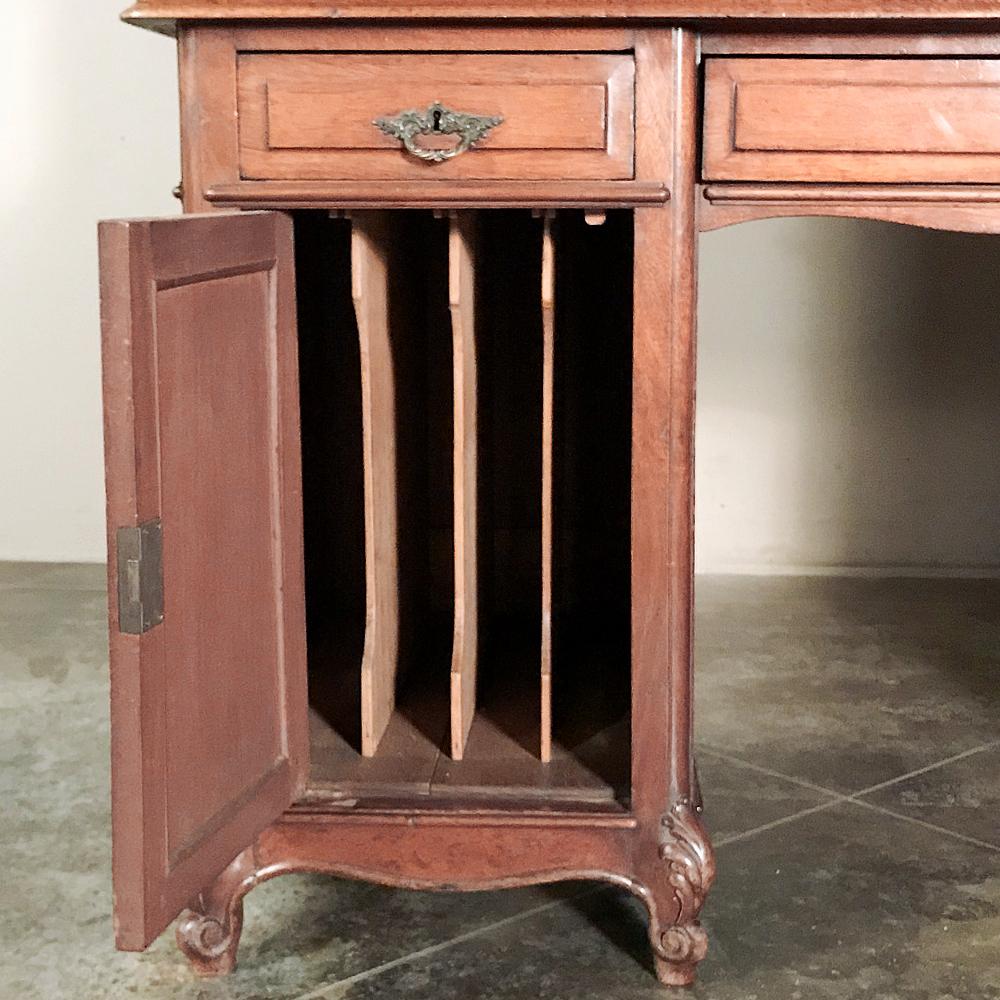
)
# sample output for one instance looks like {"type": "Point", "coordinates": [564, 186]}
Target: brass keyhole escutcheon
{"type": "Point", "coordinates": [408, 126]}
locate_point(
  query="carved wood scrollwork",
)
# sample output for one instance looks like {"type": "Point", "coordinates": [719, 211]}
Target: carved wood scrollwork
{"type": "Point", "coordinates": [210, 941]}
{"type": "Point", "coordinates": [690, 860]}
{"type": "Point", "coordinates": [208, 932]}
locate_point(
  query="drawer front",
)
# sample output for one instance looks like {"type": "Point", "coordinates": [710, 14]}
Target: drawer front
{"type": "Point", "coordinates": [853, 120]}
{"type": "Point", "coordinates": [307, 116]}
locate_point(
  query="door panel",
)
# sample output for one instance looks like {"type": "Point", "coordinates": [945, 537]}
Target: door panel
{"type": "Point", "coordinates": [209, 707]}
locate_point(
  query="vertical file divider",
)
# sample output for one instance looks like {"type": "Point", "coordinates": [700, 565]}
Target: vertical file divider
{"type": "Point", "coordinates": [370, 277]}
{"type": "Point", "coordinates": [462, 243]}
{"type": "Point", "coordinates": [548, 400]}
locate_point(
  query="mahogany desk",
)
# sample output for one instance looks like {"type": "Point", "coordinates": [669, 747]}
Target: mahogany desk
{"type": "Point", "coordinates": [399, 464]}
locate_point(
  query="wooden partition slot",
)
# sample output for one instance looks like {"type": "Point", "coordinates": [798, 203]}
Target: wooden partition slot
{"type": "Point", "coordinates": [462, 245]}
{"type": "Point", "coordinates": [501, 284]}
{"type": "Point", "coordinates": [548, 389]}
{"type": "Point", "coordinates": [591, 500]}
{"type": "Point", "coordinates": [370, 276]}
{"type": "Point", "coordinates": [332, 472]}
{"type": "Point", "coordinates": [400, 301]}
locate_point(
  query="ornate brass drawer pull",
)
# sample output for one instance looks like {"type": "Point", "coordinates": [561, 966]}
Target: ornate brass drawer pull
{"type": "Point", "coordinates": [437, 120]}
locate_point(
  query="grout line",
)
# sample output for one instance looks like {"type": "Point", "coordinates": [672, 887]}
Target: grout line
{"type": "Point", "coordinates": [924, 770]}
{"type": "Point", "coordinates": [747, 834]}
{"type": "Point", "coordinates": [739, 761]}
{"type": "Point", "coordinates": [331, 989]}
{"type": "Point", "coordinates": [854, 798]}
{"type": "Point", "coordinates": [28, 588]}
{"type": "Point", "coordinates": [848, 796]}
{"type": "Point", "coordinates": [898, 571]}
{"type": "Point", "coordinates": [927, 826]}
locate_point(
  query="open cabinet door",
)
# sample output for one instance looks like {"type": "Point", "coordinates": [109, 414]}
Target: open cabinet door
{"type": "Point", "coordinates": [207, 618]}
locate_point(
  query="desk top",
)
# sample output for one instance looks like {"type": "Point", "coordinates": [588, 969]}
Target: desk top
{"type": "Point", "coordinates": [883, 14]}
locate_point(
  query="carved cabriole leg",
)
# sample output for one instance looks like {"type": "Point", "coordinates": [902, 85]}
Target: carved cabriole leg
{"type": "Point", "coordinates": [674, 861]}
{"type": "Point", "coordinates": [689, 861]}
{"type": "Point", "coordinates": [209, 930]}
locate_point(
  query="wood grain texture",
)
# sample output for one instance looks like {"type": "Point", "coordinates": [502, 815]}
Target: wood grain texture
{"type": "Point", "coordinates": [662, 440]}
{"type": "Point", "coordinates": [663, 382]}
{"type": "Point", "coordinates": [371, 233]}
{"type": "Point", "coordinates": [201, 425]}
{"type": "Point", "coordinates": [209, 140]}
{"type": "Point", "coordinates": [548, 293]}
{"type": "Point", "coordinates": [504, 766]}
{"type": "Point", "coordinates": [416, 37]}
{"type": "Point", "coordinates": [956, 41]}
{"type": "Point", "coordinates": [662, 428]}
{"type": "Point", "coordinates": [462, 240]}
{"type": "Point", "coordinates": [500, 767]}
{"type": "Point", "coordinates": [442, 852]}
{"type": "Point", "coordinates": [440, 194]}
{"type": "Point", "coordinates": [162, 14]}
{"type": "Point", "coordinates": [898, 194]}
{"type": "Point", "coordinates": [310, 116]}
{"type": "Point", "coordinates": [463, 849]}
{"type": "Point", "coordinates": [956, 209]}
{"type": "Point", "coordinates": [402, 768]}
{"type": "Point", "coordinates": [852, 120]}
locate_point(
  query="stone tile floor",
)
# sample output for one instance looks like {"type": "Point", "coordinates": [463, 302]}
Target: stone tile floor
{"type": "Point", "coordinates": [849, 750]}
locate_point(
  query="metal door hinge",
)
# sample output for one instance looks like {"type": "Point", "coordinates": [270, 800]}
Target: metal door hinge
{"type": "Point", "coordinates": [140, 577]}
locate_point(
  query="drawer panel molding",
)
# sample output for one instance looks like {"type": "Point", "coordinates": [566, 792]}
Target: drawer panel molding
{"type": "Point", "coordinates": [314, 116]}
{"type": "Point", "coordinates": [853, 120]}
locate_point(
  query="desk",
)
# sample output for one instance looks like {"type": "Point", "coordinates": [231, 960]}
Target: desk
{"type": "Point", "coordinates": [439, 384]}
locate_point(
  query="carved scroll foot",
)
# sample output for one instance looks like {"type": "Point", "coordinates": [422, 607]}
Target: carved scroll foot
{"type": "Point", "coordinates": [678, 939]}
{"type": "Point", "coordinates": [681, 949]}
{"type": "Point", "coordinates": [209, 930]}
{"type": "Point", "coordinates": [210, 943]}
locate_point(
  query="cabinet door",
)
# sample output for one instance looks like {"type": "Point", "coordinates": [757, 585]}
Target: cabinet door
{"type": "Point", "coordinates": [208, 687]}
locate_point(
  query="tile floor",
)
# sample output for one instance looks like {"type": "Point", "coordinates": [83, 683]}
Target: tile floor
{"type": "Point", "coordinates": [849, 736]}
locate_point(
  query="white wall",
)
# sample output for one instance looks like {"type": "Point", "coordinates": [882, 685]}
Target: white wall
{"type": "Point", "coordinates": [848, 409]}
{"type": "Point", "coordinates": [849, 412]}
{"type": "Point", "coordinates": [89, 120]}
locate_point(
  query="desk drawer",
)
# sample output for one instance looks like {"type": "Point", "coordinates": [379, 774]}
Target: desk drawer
{"type": "Point", "coordinates": [308, 116]}
{"type": "Point", "coordinates": [853, 120]}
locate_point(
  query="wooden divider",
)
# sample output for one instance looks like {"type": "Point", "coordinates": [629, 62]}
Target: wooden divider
{"type": "Point", "coordinates": [548, 407]}
{"type": "Point", "coordinates": [461, 299]}
{"type": "Point", "coordinates": [370, 277]}
{"type": "Point", "coordinates": [372, 255]}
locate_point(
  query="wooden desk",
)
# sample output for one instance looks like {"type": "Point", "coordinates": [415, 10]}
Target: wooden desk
{"type": "Point", "coordinates": [400, 468]}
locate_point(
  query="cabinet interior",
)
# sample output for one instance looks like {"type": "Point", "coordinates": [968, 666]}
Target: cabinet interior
{"type": "Point", "coordinates": [544, 305]}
